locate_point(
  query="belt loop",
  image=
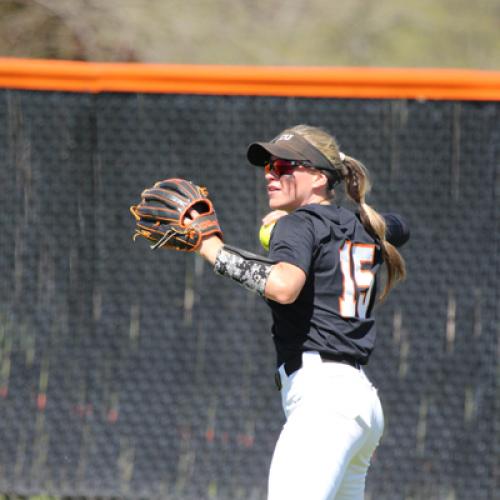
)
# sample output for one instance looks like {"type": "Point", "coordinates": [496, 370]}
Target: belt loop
{"type": "Point", "coordinates": [277, 380]}
{"type": "Point", "coordinates": [280, 375]}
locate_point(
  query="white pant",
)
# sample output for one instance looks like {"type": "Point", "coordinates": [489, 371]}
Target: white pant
{"type": "Point", "coordinates": [334, 423]}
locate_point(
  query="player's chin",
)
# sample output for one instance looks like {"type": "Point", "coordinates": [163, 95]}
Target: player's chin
{"type": "Point", "coordinates": [275, 203]}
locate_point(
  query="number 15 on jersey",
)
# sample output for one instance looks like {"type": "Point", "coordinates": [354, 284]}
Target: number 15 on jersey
{"type": "Point", "coordinates": [356, 262]}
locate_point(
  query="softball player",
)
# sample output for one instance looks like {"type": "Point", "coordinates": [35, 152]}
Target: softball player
{"type": "Point", "coordinates": [320, 280]}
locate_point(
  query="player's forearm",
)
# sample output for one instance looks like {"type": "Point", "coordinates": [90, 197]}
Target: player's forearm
{"type": "Point", "coordinates": [280, 282]}
{"type": "Point", "coordinates": [246, 268]}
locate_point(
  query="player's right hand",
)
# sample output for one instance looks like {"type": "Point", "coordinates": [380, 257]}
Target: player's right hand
{"type": "Point", "coordinates": [273, 216]}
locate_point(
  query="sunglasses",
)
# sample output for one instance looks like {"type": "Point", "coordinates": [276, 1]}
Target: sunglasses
{"type": "Point", "coordinates": [280, 167]}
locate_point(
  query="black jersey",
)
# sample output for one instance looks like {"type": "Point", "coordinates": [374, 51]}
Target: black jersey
{"type": "Point", "coordinates": [332, 313]}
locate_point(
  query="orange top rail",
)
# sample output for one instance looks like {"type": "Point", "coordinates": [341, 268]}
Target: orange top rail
{"type": "Point", "coordinates": [373, 83]}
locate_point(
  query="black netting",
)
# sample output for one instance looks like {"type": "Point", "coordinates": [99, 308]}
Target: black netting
{"type": "Point", "coordinates": [139, 374]}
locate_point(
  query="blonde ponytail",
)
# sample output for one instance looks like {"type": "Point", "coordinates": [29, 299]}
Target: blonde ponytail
{"type": "Point", "coordinates": [357, 184]}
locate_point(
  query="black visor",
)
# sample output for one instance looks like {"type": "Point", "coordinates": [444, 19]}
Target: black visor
{"type": "Point", "coordinates": [287, 146]}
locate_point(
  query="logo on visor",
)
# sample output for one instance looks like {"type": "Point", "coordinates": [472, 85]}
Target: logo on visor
{"type": "Point", "coordinates": [284, 137]}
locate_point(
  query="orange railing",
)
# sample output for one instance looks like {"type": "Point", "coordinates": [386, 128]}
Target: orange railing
{"type": "Point", "coordinates": [384, 83]}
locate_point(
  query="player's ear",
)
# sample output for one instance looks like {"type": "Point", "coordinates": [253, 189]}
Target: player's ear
{"type": "Point", "coordinates": [320, 180]}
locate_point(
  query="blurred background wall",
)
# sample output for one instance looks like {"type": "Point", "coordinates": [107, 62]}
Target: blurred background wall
{"type": "Point", "coordinates": [418, 33]}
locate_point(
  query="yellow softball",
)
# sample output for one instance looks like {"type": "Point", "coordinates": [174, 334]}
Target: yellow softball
{"type": "Point", "coordinates": [265, 235]}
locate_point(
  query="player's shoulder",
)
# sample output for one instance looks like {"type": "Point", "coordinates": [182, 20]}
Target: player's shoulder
{"type": "Point", "coordinates": [329, 214]}
{"type": "Point", "coordinates": [297, 220]}
{"type": "Point", "coordinates": [293, 232]}
{"type": "Point", "coordinates": [326, 221]}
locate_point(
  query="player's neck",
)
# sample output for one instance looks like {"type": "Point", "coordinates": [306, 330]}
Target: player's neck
{"type": "Point", "coordinates": [318, 199]}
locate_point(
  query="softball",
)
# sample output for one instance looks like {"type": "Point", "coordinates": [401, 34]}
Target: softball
{"type": "Point", "coordinates": [265, 235]}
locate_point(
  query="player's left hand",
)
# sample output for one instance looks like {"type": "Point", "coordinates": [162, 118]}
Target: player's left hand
{"type": "Point", "coordinates": [175, 214]}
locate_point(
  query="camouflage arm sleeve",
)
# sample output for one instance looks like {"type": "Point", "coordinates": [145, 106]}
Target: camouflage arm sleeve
{"type": "Point", "coordinates": [248, 269]}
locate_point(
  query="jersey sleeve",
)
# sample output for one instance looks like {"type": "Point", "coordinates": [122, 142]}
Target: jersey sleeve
{"type": "Point", "coordinates": [397, 230]}
{"type": "Point", "coordinates": [292, 241]}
